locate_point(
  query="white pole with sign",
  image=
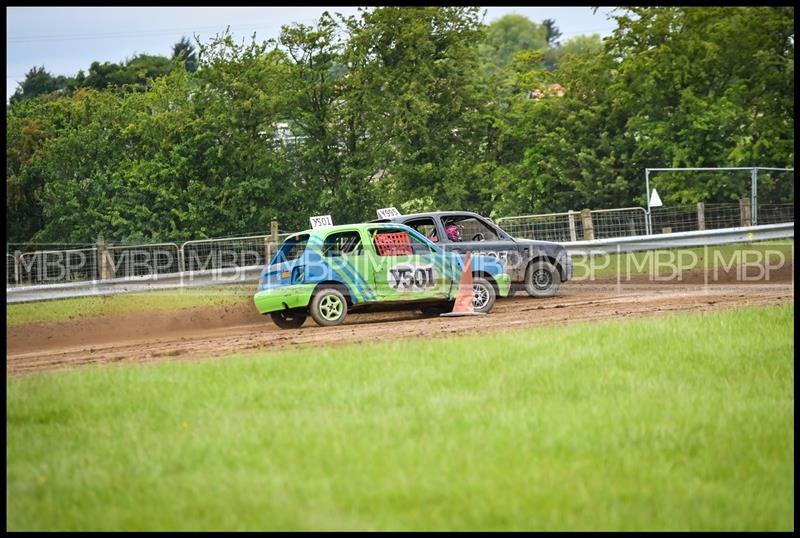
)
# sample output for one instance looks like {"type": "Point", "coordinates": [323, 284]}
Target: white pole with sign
{"type": "Point", "coordinates": [655, 199]}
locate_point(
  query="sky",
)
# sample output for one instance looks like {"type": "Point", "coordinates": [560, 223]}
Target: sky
{"type": "Point", "coordinates": [67, 39]}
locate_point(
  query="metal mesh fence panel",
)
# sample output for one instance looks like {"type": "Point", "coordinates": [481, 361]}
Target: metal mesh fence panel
{"type": "Point", "coordinates": [719, 216]}
{"type": "Point", "coordinates": [775, 213]}
{"type": "Point", "coordinates": [623, 222]}
{"type": "Point", "coordinates": [204, 255]}
{"type": "Point", "coordinates": [689, 217]}
{"type": "Point", "coordinates": [548, 227]}
{"type": "Point", "coordinates": [674, 219]}
{"type": "Point", "coordinates": [557, 227]}
{"type": "Point", "coordinates": [143, 260]}
{"type": "Point", "coordinates": [11, 269]}
{"type": "Point", "coordinates": [54, 266]}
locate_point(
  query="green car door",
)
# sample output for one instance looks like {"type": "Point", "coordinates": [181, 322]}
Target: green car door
{"type": "Point", "coordinates": [405, 267]}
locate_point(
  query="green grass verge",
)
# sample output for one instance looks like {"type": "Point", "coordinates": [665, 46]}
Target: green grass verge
{"type": "Point", "coordinates": [683, 422]}
{"type": "Point", "coordinates": [128, 303]}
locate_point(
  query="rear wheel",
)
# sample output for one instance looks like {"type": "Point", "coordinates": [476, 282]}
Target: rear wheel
{"type": "Point", "coordinates": [328, 307]}
{"type": "Point", "coordinates": [483, 295]}
{"type": "Point", "coordinates": [542, 279]}
{"type": "Point", "coordinates": [289, 319]}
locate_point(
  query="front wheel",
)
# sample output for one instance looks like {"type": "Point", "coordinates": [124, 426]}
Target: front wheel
{"type": "Point", "coordinates": [542, 279]}
{"type": "Point", "coordinates": [328, 307]}
{"type": "Point", "coordinates": [483, 295]}
{"type": "Point", "coordinates": [289, 319]}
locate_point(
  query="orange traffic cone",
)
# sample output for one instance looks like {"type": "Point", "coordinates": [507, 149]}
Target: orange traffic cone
{"type": "Point", "coordinates": [463, 306]}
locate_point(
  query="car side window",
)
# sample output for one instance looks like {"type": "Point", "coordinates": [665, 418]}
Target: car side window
{"type": "Point", "coordinates": [425, 227]}
{"type": "Point", "coordinates": [396, 242]}
{"type": "Point", "coordinates": [420, 246]}
{"type": "Point", "coordinates": [469, 229]}
{"type": "Point", "coordinates": [342, 244]}
{"type": "Point", "coordinates": [391, 242]}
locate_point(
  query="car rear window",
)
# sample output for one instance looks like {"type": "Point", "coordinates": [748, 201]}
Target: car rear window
{"type": "Point", "coordinates": [291, 249]}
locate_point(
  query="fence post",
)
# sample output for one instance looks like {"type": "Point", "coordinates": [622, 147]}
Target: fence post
{"type": "Point", "coordinates": [588, 227]}
{"type": "Point", "coordinates": [271, 241]}
{"type": "Point", "coordinates": [267, 249]}
{"type": "Point", "coordinates": [181, 260]}
{"type": "Point", "coordinates": [744, 211]}
{"type": "Point", "coordinates": [17, 254]}
{"type": "Point", "coordinates": [102, 253]}
{"type": "Point", "coordinates": [754, 196]}
{"type": "Point", "coordinates": [701, 216]}
{"type": "Point", "coordinates": [572, 235]}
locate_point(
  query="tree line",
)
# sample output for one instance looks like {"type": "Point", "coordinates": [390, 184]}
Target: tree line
{"type": "Point", "coordinates": [420, 108]}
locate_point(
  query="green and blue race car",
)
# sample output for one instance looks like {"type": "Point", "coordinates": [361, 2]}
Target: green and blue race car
{"type": "Point", "coordinates": [327, 272]}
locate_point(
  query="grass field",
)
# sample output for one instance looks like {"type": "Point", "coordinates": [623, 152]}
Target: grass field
{"type": "Point", "coordinates": [682, 422]}
{"type": "Point", "coordinates": [634, 264]}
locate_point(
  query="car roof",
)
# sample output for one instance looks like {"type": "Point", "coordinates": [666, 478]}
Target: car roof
{"type": "Point", "coordinates": [344, 227]}
{"type": "Point", "coordinates": [429, 214]}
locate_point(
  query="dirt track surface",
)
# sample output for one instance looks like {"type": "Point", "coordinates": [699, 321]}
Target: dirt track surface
{"type": "Point", "coordinates": [218, 330]}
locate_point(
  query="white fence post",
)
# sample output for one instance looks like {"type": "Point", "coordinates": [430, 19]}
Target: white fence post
{"type": "Point", "coordinates": [588, 227]}
{"type": "Point", "coordinates": [744, 210]}
{"type": "Point", "coordinates": [572, 235]}
{"type": "Point", "coordinates": [103, 254]}
{"type": "Point", "coordinates": [701, 216]}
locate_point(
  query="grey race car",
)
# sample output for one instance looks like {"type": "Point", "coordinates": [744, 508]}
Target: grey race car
{"type": "Point", "coordinates": [541, 266]}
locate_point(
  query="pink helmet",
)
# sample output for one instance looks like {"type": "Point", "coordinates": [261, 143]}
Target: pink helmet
{"type": "Point", "coordinates": [453, 232]}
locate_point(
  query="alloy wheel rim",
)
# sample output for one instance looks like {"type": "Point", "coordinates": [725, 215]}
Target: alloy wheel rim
{"type": "Point", "coordinates": [331, 307]}
{"type": "Point", "coordinates": [480, 296]}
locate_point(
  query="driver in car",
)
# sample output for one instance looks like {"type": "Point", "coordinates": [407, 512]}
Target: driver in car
{"type": "Point", "coordinates": [453, 232]}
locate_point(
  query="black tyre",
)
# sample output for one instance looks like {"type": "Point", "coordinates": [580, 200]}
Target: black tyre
{"type": "Point", "coordinates": [483, 295]}
{"type": "Point", "coordinates": [289, 319]}
{"type": "Point", "coordinates": [328, 307]}
{"type": "Point", "coordinates": [542, 279]}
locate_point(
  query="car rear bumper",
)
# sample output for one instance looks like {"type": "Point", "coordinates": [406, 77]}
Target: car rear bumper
{"type": "Point", "coordinates": [283, 297]}
{"type": "Point", "coordinates": [566, 269]}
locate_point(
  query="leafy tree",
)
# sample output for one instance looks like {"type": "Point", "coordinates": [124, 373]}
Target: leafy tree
{"type": "Point", "coordinates": [184, 51]}
{"type": "Point", "coordinates": [134, 72]}
{"type": "Point", "coordinates": [418, 83]}
{"type": "Point", "coordinates": [39, 82]}
{"type": "Point", "coordinates": [552, 33]}
{"type": "Point", "coordinates": [580, 44]}
{"type": "Point", "coordinates": [697, 91]}
{"type": "Point", "coordinates": [508, 35]}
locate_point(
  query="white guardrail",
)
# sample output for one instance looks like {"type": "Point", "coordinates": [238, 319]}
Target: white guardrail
{"type": "Point", "coordinates": [700, 238]}
{"type": "Point", "coordinates": [234, 275]}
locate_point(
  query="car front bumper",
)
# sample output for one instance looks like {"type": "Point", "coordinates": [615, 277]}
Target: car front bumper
{"type": "Point", "coordinates": [283, 297]}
